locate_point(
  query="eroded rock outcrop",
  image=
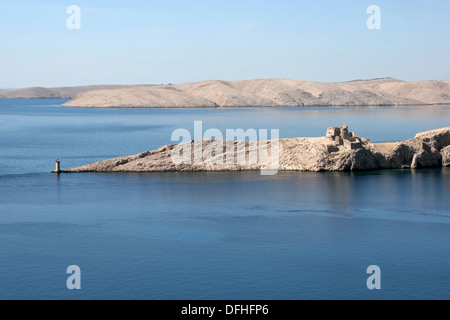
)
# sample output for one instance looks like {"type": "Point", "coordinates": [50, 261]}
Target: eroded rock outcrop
{"type": "Point", "coordinates": [329, 153]}
{"type": "Point", "coordinates": [446, 156]}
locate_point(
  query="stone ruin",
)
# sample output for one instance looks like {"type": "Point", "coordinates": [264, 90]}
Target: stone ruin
{"type": "Point", "coordinates": [342, 137]}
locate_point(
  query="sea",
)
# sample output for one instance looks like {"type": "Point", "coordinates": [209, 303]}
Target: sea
{"type": "Point", "coordinates": [212, 235]}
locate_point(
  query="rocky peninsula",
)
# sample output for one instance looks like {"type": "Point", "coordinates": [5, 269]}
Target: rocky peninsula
{"type": "Point", "coordinates": [339, 150]}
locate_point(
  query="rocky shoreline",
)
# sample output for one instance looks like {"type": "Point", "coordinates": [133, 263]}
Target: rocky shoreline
{"type": "Point", "coordinates": [339, 150]}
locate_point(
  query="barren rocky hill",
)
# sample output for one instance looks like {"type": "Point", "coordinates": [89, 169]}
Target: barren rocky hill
{"type": "Point", "coordinates": [53, 93]}
{"type": "Point", "coordinates": [270, 93]}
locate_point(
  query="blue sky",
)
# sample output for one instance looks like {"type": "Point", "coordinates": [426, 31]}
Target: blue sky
{"type": "Point", "coordinates": [162, 41]}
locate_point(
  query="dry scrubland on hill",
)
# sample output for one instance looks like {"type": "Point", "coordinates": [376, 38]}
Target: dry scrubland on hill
{"type": "Point", "coordinates": [270, 93]}
{"type": "Point", "coordinates": [247, 93]}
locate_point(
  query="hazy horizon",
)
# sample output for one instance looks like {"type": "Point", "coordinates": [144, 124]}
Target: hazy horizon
{"type": "Point", "coordinates": [155, 42]}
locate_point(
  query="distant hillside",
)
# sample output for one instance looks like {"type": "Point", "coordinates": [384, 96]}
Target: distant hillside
{"type": "Point", "coordinates": [270, 93]}
{"type": "Point", "coordinates": [247, 93]}
{"type": "Point", "coordinates": [53, 93]}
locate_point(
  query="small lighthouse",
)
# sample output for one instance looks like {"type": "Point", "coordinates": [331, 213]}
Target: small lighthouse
{"type": "Point", "coordinates": [57, 167]}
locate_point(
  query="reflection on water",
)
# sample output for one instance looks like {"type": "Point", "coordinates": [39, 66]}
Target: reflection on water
{"type": "Point", "coordinates": [172, 235]}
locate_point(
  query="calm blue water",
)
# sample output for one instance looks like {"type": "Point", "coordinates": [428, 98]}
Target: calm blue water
{"type": "Point", "coordinates": [214, 235]}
